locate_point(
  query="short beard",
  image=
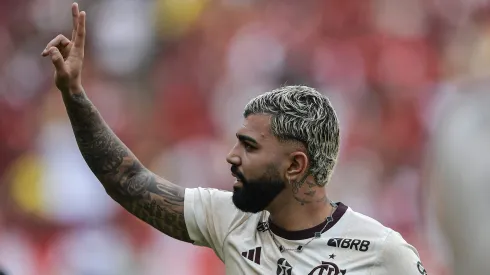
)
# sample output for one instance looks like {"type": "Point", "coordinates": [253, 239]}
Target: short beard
{"type": "Point", "coordinates": [256, 194]}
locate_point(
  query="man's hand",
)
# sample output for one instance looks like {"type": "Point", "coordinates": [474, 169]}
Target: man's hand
{"type": "Point", "coordinates": [67, 55]}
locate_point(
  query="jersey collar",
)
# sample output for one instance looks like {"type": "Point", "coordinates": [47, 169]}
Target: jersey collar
{"type": "Point", "coordinates": [310, 232]}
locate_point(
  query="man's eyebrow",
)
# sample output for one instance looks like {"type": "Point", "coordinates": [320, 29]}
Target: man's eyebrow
{"type": "Point", "coordinates": [244, 138]}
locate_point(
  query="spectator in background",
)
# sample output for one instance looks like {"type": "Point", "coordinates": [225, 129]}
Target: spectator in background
{"type": "Point", "coordinates": [460, 173]}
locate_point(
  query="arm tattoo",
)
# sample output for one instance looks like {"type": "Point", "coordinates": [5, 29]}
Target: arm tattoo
{"type": "Point", "coordinates": [148, 197]}
{"type": "Point", "coordinates": [156, 202]}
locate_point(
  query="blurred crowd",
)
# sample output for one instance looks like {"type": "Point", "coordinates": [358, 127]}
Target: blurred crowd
{"type": "Point", "coordinates": [171, 77]}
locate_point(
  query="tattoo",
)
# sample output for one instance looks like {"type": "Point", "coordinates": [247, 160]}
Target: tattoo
{"type": "Point", "coordinates": [148, 197]}
{"type": "Point", "coordinates": [310, 192]}
{"type": "Point", "coordinates": [302, 200]}
{"type": "Point", "coordinates": [138, 183]}
{"type": "Point", "coordinates": [297, 185]}
{"type": "Point", "coordinates": [161, 204]}
{"type": "Point", "coordinates": [101, 149]}
{"type": "Point", "coordinates": [324, 199]}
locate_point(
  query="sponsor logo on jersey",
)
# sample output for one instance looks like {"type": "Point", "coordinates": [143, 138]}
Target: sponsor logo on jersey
{"type": "Point", "coordinates": [283, 267]}
{"type": "Point", "coordinates": [253, 254]}
{"type": "Point", "coordinates": [327, 268]}
{"type": "Point", "coordinates": [354, 244]}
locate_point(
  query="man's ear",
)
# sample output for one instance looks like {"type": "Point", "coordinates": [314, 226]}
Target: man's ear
{"type": "Point", "coordinates": [298, 166]}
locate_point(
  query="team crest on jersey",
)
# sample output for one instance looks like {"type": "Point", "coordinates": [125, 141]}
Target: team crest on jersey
{"type": "Point", "coordinates": [327, 268]}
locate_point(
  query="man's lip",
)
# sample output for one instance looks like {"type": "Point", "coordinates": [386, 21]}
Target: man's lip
{"type": "Point", "coordinates": [236, 175]}
{"type": "Point", "coordinates": [238, 184]}
{"type": "Point", "coordinates": [234, 170]}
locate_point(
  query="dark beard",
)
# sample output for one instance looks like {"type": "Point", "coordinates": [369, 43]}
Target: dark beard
{"type": "Point", "coordinates": [256, 194]}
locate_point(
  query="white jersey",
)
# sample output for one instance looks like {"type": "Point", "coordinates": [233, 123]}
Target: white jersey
{"type": "Point", "coordinates": [351, 244]}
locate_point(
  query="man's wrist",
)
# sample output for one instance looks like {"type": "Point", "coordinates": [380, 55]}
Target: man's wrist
{"type": "Point", "coordinates": [72, 90]}
{"type": "Point", "coordinates": [76, 89]}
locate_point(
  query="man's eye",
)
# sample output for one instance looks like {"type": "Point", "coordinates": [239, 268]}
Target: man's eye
{"type": "Point", "coordinates": [248, 147]}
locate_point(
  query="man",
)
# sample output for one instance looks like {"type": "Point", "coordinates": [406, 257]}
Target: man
{"type": "Point", "coordinates": [278, 219]}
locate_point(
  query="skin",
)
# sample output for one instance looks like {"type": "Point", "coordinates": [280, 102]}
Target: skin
{"type": "Point", "coordinates": [158, 202]}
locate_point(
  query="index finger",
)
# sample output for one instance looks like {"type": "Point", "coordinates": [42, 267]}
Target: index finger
{"type": "Point", "coordinates": [74, 12]}
{"type": "Point", "coordinates": [80, 34]}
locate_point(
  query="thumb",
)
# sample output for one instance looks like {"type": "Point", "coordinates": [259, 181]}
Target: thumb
{"type": "Point", "coordinates": [57, 59]}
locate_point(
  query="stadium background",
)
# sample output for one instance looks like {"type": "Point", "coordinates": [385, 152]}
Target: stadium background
{"type": "Point", "coordinates": [171, 78]}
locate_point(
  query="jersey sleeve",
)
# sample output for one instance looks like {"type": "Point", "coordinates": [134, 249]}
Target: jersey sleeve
{"type": "Point", "coordinates": [209, 217]}
{"type": "Point", "coordinates": [399, 257]}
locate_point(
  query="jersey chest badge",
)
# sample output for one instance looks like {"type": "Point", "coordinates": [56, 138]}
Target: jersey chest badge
{"type": "Point", "coordinates": [327, 268]}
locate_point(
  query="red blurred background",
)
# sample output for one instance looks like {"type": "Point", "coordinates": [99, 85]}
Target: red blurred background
{"type": "Point", "coordinates": [171, 77]}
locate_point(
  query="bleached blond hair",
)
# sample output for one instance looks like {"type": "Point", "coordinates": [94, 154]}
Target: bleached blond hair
{"type": "Point", "coordinates": [300, 113]}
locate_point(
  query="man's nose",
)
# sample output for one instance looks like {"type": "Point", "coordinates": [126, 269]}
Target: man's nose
{"type": "Point", "coordinates": [233, 158]}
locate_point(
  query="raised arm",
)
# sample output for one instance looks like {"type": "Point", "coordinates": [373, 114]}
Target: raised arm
{"type": "Point", "coordinates": [152, 199]}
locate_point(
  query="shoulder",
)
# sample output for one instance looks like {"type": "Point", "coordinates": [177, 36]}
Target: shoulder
{"type": "Point", "coordinates": [208, 198]}
{"type": "Point", "coordinates": [380, 237]}
{"type": "Point", "coordinates": [208, 192]}
{"type": "Point", "coordinates": [370, 227]}
{"type": "Point", "coordinates": [395, 245]}
{"type": "Point", "coordinates": [213, 205]}
{"type": "Point", "coordinates": [392, 251]}
{"type": "Point", "coordinates": [399, 256]}
{"type": "Point", "coordinates": [365, 226]}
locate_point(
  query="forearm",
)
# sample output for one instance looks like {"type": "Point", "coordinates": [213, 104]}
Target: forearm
{"type": "Point", "coordinates": [156, 201]}
{"type": "Point", "coordinates": [108, 158]}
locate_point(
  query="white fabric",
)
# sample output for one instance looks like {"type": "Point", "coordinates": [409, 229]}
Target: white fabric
{"type": "Point", "coordinates": [213, 221]}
